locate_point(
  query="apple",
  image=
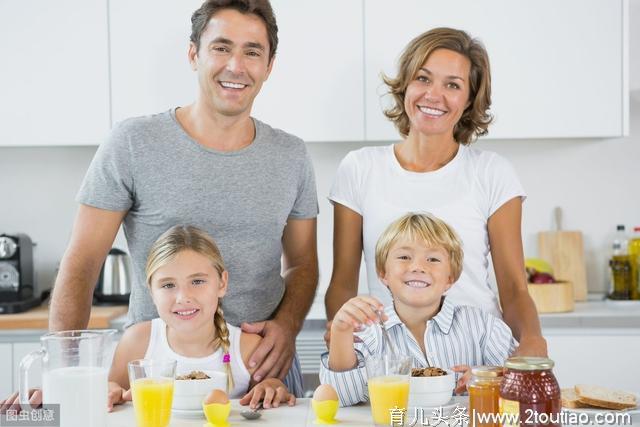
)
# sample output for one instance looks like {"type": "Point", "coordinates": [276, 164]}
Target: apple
{"type": "Point", "coordinates": [541, 278]}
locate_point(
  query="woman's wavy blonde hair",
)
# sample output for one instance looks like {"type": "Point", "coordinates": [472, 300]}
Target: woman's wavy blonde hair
{"type": "Point", "coordinates": [424, 227]}
{"type": "Point", "coordinates": [185, 237]}
{"type": "Point", "coordinates": [476, 118]}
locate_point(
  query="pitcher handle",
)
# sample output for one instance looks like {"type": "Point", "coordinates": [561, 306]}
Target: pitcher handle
{"type": "Point", "coordinates": [25, 365]}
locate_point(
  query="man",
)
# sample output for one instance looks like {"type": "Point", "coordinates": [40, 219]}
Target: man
{"type": "Point", "coordinates": [210, 165]}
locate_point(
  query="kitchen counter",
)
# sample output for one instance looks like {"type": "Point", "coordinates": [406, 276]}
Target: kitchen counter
{"type": "Point", "coordinates": [596, 313]}
{"type": "Point", "coordinates": [33, 323]}
{"type": "Point", "coordinates": [299, 415]}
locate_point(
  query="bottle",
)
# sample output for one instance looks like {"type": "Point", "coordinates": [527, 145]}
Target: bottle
{"type": "Point", "coordinates": [620, 272]}
{"type": "Point", "coordinates": [484, 394]}
{"type": "Point", "coordinates": [633, 251]}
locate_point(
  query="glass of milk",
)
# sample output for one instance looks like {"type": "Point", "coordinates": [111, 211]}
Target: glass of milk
{"type": "Point", "coordinates": [74, 375]}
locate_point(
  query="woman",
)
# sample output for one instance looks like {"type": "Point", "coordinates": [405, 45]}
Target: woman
{"type": "Point", "coordinates": [442, 95]}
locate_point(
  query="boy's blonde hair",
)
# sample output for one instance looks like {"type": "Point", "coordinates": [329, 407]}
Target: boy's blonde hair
{"type": "Point", "coordinates": [425, 227]}
{"type": "Point", "coordinates": [185, 237]}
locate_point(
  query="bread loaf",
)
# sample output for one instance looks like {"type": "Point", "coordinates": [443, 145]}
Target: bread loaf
{"type": "Point", "coordinates": [571, 400]}
{"type": "Point", "coordinates": [603, 397]}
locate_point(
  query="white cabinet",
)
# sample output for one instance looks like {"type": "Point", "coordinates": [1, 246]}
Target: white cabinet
{"type": "Point", "coordinates": [6, 371]}
{"type": "Point", "coordinates": [606, 357]}
{"type": "Point", "coordinates": [314, 90]}
{"type": "Point", "coordinates": [558, 68]}
{"type": "Point", "coordinates": [150, 69]}
{"type": "Point", "coordinates": [20, 350]}
{"type": "Point", "coordinates": [54, 78]}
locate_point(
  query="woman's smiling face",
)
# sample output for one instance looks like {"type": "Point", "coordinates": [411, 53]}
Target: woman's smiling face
{"type": "Point", "coordinates": [437, 96]}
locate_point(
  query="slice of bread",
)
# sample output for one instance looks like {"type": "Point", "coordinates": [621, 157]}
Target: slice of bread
{"type": "Point", "coordinates": [570, 399]}
{"type": "Point", "coordinates": [603, 397]}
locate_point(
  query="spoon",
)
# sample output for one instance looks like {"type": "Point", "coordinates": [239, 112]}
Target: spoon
{"type": "Point", "coordinates": [252, 414]}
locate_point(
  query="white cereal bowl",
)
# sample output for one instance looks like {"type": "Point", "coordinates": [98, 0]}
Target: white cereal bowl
{"type": "Point", "coordinates": [430, 392]}
{"type": "Point", "coordinates": [189, 394]}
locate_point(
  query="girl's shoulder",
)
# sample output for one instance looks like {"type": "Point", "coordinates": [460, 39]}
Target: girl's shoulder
{"type": "Point", "coordinates": [248, 344]}
{"type": "Point", "coordinates": [138, 335]}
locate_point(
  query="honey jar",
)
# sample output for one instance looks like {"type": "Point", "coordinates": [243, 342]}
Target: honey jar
{"type": "Point", "coordinates": [529, 389]}
{"type": "Point", "coordinates": [484, 394]}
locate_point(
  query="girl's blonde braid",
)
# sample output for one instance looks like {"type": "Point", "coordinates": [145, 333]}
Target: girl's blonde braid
{"type": "Point", "coordinates": [222, 340]}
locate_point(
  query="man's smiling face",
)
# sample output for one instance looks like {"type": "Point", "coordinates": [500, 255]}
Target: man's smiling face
{"type": "Point", "coordinates": [232, 61]}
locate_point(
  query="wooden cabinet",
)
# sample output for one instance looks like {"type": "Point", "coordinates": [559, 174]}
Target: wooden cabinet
{"type": "Point", "coordinates": [606, 357]}
{"type": "Point", "coordinates": [6, 370]}
{"type": "Point", "coordinates": [54, 78]}
{"type": "Point", "coordinates": [558, 68]}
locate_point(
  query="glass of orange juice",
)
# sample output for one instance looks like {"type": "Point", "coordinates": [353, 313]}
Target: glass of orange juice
{"type": "Point", "coordinates": [388, 382]}
{"type": "Point", "coordinates": [151, 384]}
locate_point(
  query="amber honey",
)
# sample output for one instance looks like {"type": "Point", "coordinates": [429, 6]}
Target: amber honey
{"type": "Point", "coordinates": [484, 394]}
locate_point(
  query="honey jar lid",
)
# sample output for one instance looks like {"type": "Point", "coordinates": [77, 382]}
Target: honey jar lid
{"type": "Point", "coordinates": [529, 363]}
{"type": "Point", "coordinates": [487, 371]}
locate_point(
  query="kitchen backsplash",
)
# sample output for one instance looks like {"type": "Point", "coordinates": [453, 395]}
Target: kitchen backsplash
{"type": "Point", "coordinates": [586, 177]}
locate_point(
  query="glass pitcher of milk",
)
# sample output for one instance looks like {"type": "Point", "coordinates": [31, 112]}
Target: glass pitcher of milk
{"type": "Point", "coordinates": [74, 375]}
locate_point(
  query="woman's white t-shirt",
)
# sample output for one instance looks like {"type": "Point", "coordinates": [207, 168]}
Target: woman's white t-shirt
{"type": "Point", "coordinates": [159, 349]}
{"type": "Point", "coordinates": [464, 193]}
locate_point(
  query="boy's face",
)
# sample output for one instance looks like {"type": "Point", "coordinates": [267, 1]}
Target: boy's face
{"type": "Point", "coordinates": [186, 291]}
{"type": "Point", "coordinates": [416, 274]}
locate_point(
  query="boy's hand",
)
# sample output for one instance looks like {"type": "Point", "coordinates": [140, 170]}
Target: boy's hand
{"type": "Point", "coordinates": [117, 395]}
{"type": "Point", "coordinates": [357, 312]}
{"type": "Point", "coordinates": [13, 401]}
{"type": "Point", "coordinates": [461, 387]}
{"type": "Point", "coordinates": [271, 391]}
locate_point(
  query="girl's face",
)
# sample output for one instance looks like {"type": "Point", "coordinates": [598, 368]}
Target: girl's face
{"type": "Point", "coordinates": [416, 274]}
{"type": "Point", "coordinates": [438, 95]}
{"type": "Point", "coordinates": [186, 291]}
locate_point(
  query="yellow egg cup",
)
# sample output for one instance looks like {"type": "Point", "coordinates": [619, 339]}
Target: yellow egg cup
{"type": "Point", "coordinates": [217, 414]}
{"type": "Point", "coordinates": [325, 411]}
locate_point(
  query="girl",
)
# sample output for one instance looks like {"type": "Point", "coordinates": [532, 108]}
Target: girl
{"type": "Point", "coordinates": [186, 278]}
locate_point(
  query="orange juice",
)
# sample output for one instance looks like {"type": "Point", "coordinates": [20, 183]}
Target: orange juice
{"type": "Point", "coordinates": [152, 401]}
{"type": "Point", "coordinates": [386, 393]}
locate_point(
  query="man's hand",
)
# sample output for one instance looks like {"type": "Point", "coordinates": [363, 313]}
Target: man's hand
{"type": "Point", "coordinates": [535, 346]}
{"type": "Point", "coordinates": [273, 356]}
{"type": "Point", "coordinates": [271, 391]}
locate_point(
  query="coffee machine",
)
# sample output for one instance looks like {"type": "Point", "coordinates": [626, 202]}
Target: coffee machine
{"type": "Point", "coordinates": [18, 290]}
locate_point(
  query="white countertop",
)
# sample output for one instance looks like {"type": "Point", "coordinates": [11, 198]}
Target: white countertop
{"type": "Point", "coordinates": [299, 415]}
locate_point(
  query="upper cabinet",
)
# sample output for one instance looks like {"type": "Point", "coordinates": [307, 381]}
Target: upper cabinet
{"type": "Point", "coordinates": [73, 68]}
{"type": "Point", "coordinates": [150, 69]}
{"type": "Point", "coordinates": [559, 69]}
{"type": "Point", "coordinates": [54, 78]}
{"type": "Point", "coordinates": [314, 90]}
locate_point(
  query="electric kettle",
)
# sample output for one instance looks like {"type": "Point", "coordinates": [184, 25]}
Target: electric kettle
{"type": "Point", "coordinates": [114, 283]}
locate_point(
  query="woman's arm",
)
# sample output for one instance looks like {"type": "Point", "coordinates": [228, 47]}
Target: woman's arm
{"type": "Point", "coordinates": [519, 312]}
{"type": "Point", "coordinates": [347, 253]}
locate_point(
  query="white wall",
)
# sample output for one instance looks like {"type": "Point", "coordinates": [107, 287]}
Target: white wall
{"type": "Point", "coordinates": [594, 181]}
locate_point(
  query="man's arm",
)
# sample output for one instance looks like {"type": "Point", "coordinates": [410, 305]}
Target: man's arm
{"type": "Point", "coordinates": [91, 238]}
{"type": "Point", "coordinates": [518, 308]}
{"type": "Point", "coordinates": [275, 353]}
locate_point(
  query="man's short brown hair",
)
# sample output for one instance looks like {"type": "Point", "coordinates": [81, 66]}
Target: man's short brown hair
{"type": "Point", "coordinates": [261, 8]}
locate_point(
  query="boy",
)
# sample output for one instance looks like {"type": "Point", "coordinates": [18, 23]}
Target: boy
{"type": "Point", "coordinates": [418, 258]}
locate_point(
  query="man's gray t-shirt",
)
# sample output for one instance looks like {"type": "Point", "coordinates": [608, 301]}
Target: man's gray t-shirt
{"type": "Point", "coordinates": [151, 168]}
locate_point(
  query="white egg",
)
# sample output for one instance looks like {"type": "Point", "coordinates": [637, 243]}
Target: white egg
{"type": "Point", "coordinates": [325, 392]}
